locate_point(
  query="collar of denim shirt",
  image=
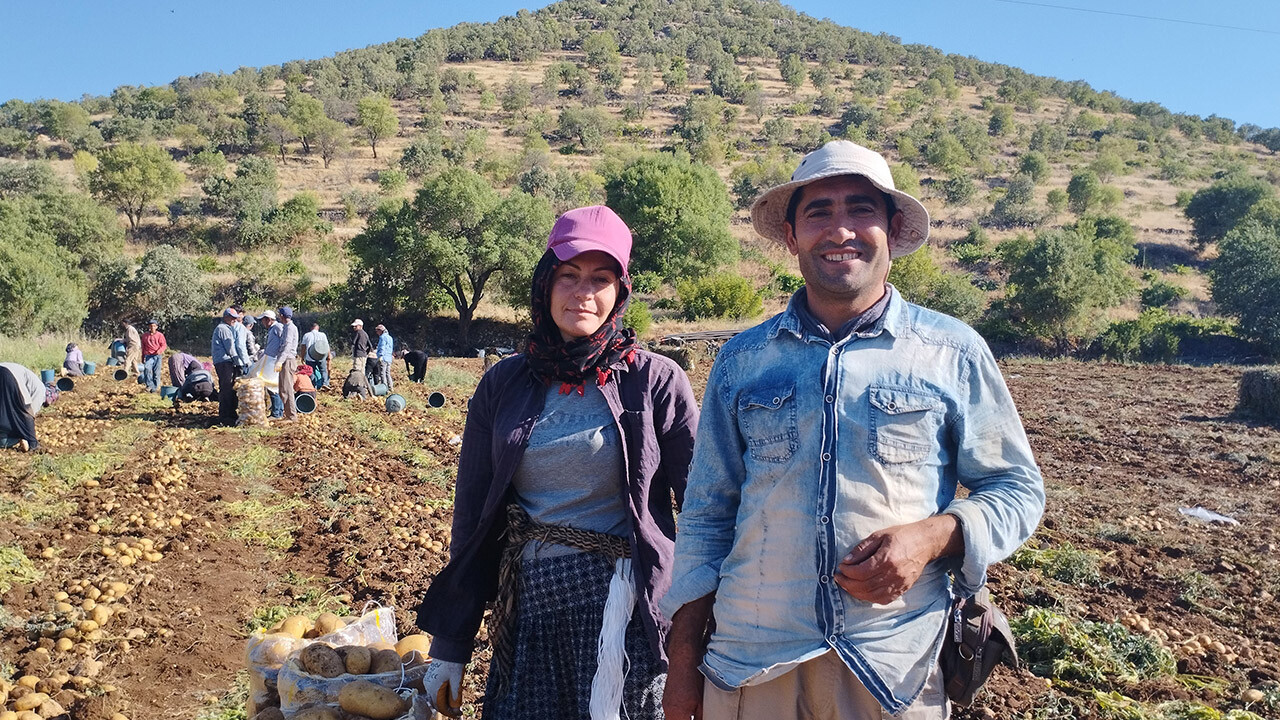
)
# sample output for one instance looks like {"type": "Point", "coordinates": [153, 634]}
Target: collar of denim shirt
{"type": "Point", "coordinates": [893, 320]}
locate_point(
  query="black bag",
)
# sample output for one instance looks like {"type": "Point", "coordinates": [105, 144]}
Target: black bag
{"type": "Point", "coordinates": [978, 638]}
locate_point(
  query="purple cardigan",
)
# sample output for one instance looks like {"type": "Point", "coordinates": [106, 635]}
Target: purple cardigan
{"type": "Point", "coordinates": [657, 417]}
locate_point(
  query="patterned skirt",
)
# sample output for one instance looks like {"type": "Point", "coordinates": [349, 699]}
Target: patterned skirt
{"type": "Point", "coordinates": [558, 619]}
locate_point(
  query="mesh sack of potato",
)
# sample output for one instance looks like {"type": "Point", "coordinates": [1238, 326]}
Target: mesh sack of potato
{"type": "Point", "coordinates": [319, 674]}
{"type": "Point", "coordinates": [266, 651]}
{"type": "Point", "coordinates": [251, 403]}
{"type": "Point", "coordinates": [363, 699]}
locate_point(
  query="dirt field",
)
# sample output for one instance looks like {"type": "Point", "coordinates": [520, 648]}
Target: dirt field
{"type": "Point", "coordinates": [239, 527]}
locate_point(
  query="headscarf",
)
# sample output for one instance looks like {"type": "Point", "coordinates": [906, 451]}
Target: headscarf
{"type": "Point", "coordinates": [573, 362]}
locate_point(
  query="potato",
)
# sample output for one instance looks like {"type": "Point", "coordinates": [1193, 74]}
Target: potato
{"type": "Point", "coordinates": [412, 643]}
{"type": "Point", "coordinates": [8, 715]}
{"type": "Point", "coordinates": [327, 623]}
{"type": "Point", "coordinates": [31, 701]}
{"type": "Point", "coordinates": [357, 659]}
{"type": "Point", "coordinates": [372, 701]}
{"type": "Point", "coordinates": [382, 645]}
{"type": "Point", "coordinates": [317, 712]}
{"type": "Point", "coordinates": [295, 625]}
{"type": "Point", "coordinates": [320, 659]}
{"type": "Point", "coordinates": [29, 715]}
{"type": "Point", "coordinates": [385, 661]}
{"type": "Point", "coordinates": [271, 713]}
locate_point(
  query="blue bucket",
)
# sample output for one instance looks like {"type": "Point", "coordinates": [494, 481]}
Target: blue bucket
{"type": "Point", "coordinates": [90, 368]}
{"type": "Point", "coordinates": [48, 376]}
{"type": "Point", "coordinates": [395, 403]}
{"type": "Point", "coordinates": [113, 361]}
{"type": "Point", "coordinates": [379, 389]}
{"type": "Point", "coordinates": [66, 384]}
{"type": "Point", "coordinates": [436, 399]}
{"type": "Point", "coordinates": [305, 402]}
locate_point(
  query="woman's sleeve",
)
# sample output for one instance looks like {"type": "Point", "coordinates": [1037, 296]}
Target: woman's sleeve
{"type": "Point", "coordinates": [675, 420]}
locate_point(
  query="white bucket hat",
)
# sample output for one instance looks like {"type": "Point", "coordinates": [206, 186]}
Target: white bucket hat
{"type": "Point", "coordinates": [841, 157]}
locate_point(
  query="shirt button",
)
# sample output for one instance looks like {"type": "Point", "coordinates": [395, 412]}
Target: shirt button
{"type": "Point", "coordinates": [831, 638]}
{"type": "Point", "coordinates": [777, 400]}
{"type": "Point", "coordinates": [830, 399]}
{"type": "Point", "coordinates": [826, 456]}
{"type": "Point", "coordinates": [890, 405]}
{"type": "Point", "coordinates": [824, 579]}
{"type": "Point", "coordinates": [824, 519]}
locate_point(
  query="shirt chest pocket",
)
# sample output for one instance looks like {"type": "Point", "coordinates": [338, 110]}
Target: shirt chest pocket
{"type": "Point", "coordinates": [767, 419]}
{"type": "Point", "coordinates": [904, 424]}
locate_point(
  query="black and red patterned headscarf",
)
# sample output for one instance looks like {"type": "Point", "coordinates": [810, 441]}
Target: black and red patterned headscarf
{"type": "Point", "coordinates": [573, 363]}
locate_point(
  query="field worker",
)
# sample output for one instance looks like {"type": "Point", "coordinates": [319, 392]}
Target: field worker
{"type": "Point", "coordinates": [197, 386]}
{"type": "Point", "coordinates": [226, 363]}
{"type": "Point", "coordinates": [415, 363]}
{"type": "Point", "coordinates": [286, 362]}
{"type": "Point", "coordinates": [269, 345]}
{"type": "Point", "coordinates": [356, 386]}
{"type": "Point", "coordinates": [244, 327]}
{"type": "Point", "coordinates": [132, 349]}
{"type": "Point", "coordinates": [360, 346]}
{"type": "Point", "coordinates": [179, 363]}
{"type": "Point", "coordinates": [572, 453]}
{"type": "Point", "coordinates": [315, 352]}
{"type": "Point", "coordinates": [73, 364]}
{"type": "Point", "coordinates": [153, 347]}
{"type": "Point", "coordinates": [386, 356]}
{"type": "Point", "coordinates": [821, 518]}
{"type": "Point", "coordinates": [21, 397]}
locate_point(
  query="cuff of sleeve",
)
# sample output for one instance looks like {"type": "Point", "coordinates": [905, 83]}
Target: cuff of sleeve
{"type": "Point", "coordinates": [699, 582]}
{"type": "Point", "coordinates": [449, 650]}
{"type": "Point", "coordinates": [971, 570]}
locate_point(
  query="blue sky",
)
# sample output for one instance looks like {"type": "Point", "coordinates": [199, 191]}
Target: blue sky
{"type": "Point", "coordinates": [63, 49]}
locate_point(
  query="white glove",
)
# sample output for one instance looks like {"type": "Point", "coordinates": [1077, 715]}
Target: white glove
{"type": "Point", "coordinates": [440, 672]}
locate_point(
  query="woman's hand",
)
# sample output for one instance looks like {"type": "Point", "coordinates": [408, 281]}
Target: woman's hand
{"type": "Point", "coordinates": [443, 687]}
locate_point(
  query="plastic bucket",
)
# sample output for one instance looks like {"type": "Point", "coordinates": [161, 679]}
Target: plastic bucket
{"type": "Point", "coordinates": [395, 403]}
{"type": "Point", "coordinates": [379, 389]}
{"type": "Point", "coordinates": [168, 392]}
{"type": "Point", "coordinates": [305, 402]}
{"type": "Point", "coordinates": [113, 361]}
{"type": "Point", "coordinates": [120, 374]}
{"type": "Point", "coordinates": [66, 384]}
{"type": "Point", "coordinates": [90, 368]}
{"type": "Point", "coordinates": [48, 376]}
{"type": "Point", "coordinates": [436, 399]}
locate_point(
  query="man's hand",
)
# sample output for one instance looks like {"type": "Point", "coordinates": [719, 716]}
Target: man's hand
{"type": "Point", "coordinates": [888, 562]}
{"type": "Point", "coordinates": [686, 644]}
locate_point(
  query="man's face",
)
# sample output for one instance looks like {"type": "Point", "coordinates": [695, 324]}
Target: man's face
{"type": "Point", "coordinates": [841, 239]}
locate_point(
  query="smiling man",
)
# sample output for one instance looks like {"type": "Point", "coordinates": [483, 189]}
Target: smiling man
{"type": "Point", "coordinates": [821, 526]}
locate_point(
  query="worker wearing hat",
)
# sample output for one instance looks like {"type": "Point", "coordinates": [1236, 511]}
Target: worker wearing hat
{"type": "Point", "coordinates": [225, 353]}
{"type": "Point", "coordinates": [821, 518]}
{"type": "Point", "coordinates": [361, 348]}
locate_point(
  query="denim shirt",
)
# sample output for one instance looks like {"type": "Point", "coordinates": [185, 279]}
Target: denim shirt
{"type": "Point", "coordinates": [804, 448]}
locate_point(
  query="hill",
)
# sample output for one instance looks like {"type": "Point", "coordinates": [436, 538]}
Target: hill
{"type": "Point", "coordinates": [280, 169]}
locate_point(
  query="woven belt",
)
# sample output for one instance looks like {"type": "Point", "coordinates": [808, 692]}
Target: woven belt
{"type": "Point", "coordinates": [520, 530]}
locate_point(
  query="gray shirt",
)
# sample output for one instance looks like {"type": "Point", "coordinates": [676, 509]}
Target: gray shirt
{"type": "Point", "coordinates": [30, 385]}
{"type": "Point", "coordinates": [571, 471]}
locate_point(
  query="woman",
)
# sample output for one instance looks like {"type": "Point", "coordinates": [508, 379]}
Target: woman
{"type": "Point", "coordinates": [563, 514]}
{"type": "Point", "coordinates": [21, 397]}
{"type": "Point", "coordinates": [73, 364]}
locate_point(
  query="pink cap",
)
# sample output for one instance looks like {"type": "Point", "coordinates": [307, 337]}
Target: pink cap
{"type": "Point", "coordinates": [591, 228]}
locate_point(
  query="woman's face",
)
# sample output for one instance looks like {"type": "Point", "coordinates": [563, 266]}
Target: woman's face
{"type": "Point", "coordinates": [584, 290]}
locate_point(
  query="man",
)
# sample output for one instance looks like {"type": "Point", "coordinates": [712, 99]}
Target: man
{"type": "Point", "coordinates": [282, 351]}
{"type": "Point", "coordinates": [360, 347]}
{"type": "Point", "coordinates": [315, 352]}
{"type": "Point", "coordinates": [356, 386]}
{"type": "Point", "coordinates": [415, 363]}
{"type": "Point", "coordinates": [386, 355]}
{"type": "Point", "coordinates": [179, 365]}
{"type": "Point", "coordinates": [250, 342]}
{"type": "Point", "coordinates": [153, 347]}
{"type": "Point", "coordinates": [197, 386]}
{"type": "Point", "coordinates": [226, 363]}
{"type": "Point", "coordinates": [132, 349]}
{"type": "Point", "coordinates": [821, 518]}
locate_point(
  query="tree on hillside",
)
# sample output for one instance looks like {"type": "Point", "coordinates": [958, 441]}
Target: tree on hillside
{"type": "Point", "coordinates": [1084, 191]}
{"type": "Point", "coordinates": [330, 138]}
{"type": "Point", "coordinates": [307, 115]}
{"type": "Point", "coordinates": [281, 131]}
{"type": "Point", "coordinates": [679, 213]}
{"type": "Point", "coordinates": [1246, 280]}
{"type": "Point", "coordinates": [1215, 210]}
{"type": "Point", "coordinates": [375, 115]}
{"type": "Point", "coordinates": [793, 71]}
{"type": "Point", "coordinates": [133, 177]}
{"type": "Point", "coordinates": [449, 244]}
{"type": "Point", "coordinates": [168, 286]}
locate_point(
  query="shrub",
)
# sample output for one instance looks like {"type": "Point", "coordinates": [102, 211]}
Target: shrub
{"type": "Point", "coordinates": [1245, 281]}
{"type": "Point", "coordinates": [357, 202]}
{"type": "Point", "coordinates": [1016, 208]}
{"type": "Point", "coordinates": [392, 181]}
{"type": "Point", "coordinates": [1260, 393]}
{"type": "Point", "coordinates": [1155, 336]}
{"type": "Point", "coordinates": [1084, 191]}
{"type": "Point", "coordinates": [787, 283]}
{"type": "Point", "coordinates": [921, 281]}
{"type": "Point", "coordinates": [1095, 653]}
{"type": "Point", "coordinates": [1160, 294]}
{"type": "Point", "coordinates": [168, 286]}
{"type": "Point", "coordinates": [637, 317]}
{"type": "Point", "coordinates": [1034, 165]}
{"type": "Point", "coordinates": [720, 296]}
{"type": "Point", "coordinates": [974, 247]}
{"type": "Point", "coordinates": [645, 283]}
{"type": "Point", "coordinates": [1215, 210]}
{"type": "Point", "coordinates": [959, 190]}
